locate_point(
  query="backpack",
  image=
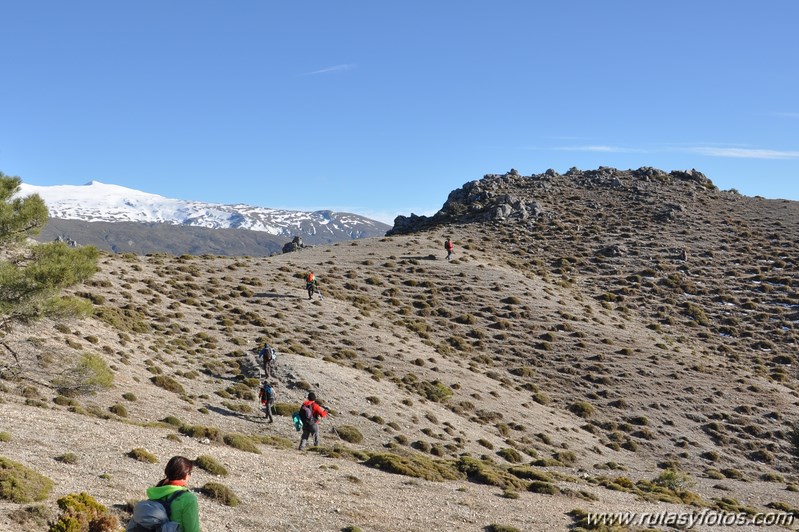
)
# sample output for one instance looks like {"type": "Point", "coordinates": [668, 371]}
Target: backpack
{"type": "Point", "coordinates": [267, 393]}
{"type": "Point", "coordinates": [310, 278]}
{"type": "Point", "coordinates": [153, 515]}
{"type": "Point", "coordinates": [306, 414]}
{"type": "Point", "coordinates": [271, 354]}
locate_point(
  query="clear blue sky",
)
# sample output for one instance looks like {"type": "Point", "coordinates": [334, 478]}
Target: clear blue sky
{"type": "Point", "coordinates": [383, 107]}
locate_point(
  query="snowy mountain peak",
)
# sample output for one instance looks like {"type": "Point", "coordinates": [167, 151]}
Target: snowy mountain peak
{"type": "Point", "coordinates": [102, 202]}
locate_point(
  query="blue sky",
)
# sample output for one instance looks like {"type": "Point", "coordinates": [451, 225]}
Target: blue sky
{"type": "Point", "coordinates": [383, 107]}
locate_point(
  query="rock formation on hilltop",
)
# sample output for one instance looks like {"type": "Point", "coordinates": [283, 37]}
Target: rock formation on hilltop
{"type": "Point", "coordinates": [514, 197]}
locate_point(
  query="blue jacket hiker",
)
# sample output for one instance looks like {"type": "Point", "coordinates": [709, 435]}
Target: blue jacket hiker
{"type": "Point", "coordinates": [267, 397]}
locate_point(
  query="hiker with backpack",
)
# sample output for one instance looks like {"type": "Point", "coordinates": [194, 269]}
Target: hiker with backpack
{"type": "Point", "coordinates": [268, 355]}
{"type": "Point", "coordinates": [311, 286]}
{"type": "Point", "coordinates": [267, 397]}
{"type": "Point", "coordinates": [309, 415]}
{"type": "Point", "coordinates": [449, 247]}
{"type": "Point", "coordinates": [169, 505]}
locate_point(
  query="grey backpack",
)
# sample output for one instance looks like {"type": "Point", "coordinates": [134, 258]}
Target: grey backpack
{"type": "Point", "coordinates": [153, 515]}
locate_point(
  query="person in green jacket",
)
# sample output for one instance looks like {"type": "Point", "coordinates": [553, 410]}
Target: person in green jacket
{"type": "Point", "coordinates": [184, 508]}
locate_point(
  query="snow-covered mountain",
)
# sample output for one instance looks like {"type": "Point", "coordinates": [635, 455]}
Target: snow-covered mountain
{"type": "Point", "coordinates": [101, 202]}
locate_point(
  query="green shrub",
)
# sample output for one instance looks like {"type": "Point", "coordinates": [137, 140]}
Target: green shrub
{"type": "Point", "coordinates": [22, 485]}
{"type": "Point", "coordinates": [142, 455]}
{"type": "Point", "coordinates": [61, 400]}
{"type": "Point", "coordinates": [119, 410]}
{"type": "Point", "coordinates": [81, 512]}
{"type": "Point", "coordinates": [487, 473]}
{"type": "Point", "coordinates": [349, 434]}
{"type": "Point", "coordinates": [510, 454]}
{"type": "Point", "coordinates": [200, 432]}
{"type": "Point", "coordinates": [793, 440]}
{"type": "Point", "coordinates": [241, 442]}
{"type": "Point", "coordinates": [5, 436]}
{"type": "Point", "coordinates": [209, 464]}
{"type": "Point", "coordinates": [168, 383]}
{"type": "Point", "coordinates": [67, 458]}
{"type": "Point", "coordinates": [582, 409]}
{"type": "Point", "coordinates": [434, 391]}
{"type": "Point", "coordinates": [529, 473]}
{"type": "Point", "coordinates": [500, 528]}
{"type": "Point", "coordinates": [220, 493]}
{"type": "Point", "coordinates": [546, 488]}
{"type": "Point", "coordinates": [413, 466]}
{"type": "Point", "coordinates": [172, 420]}
{"type": "Point", "coordinates": [285, 409]}
{"type": "Point", "coordinates": [129, 397]}
{"type": "Point", "coordinates": [86, 375]}
{"type": "Point", "coordinates": [31, 517]}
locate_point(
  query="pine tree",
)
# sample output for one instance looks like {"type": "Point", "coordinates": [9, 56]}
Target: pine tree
{"type": "Point", "coordinates": [33, 275]}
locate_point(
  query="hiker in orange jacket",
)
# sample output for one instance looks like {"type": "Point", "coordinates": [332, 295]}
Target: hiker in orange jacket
{"type": "Point", "coordinates": [310, 412]}
{"type": "Point", "coordinates": [310, 284]}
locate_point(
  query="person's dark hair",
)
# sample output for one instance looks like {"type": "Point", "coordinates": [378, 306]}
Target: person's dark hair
{"type": "Point", "coordinates": [177, 468]}
{"type": "Point", "coordinates": [311, 396]}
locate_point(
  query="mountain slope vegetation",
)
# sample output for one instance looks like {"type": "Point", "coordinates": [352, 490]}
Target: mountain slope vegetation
{"type": "Point", "coordinates": [602, 341]}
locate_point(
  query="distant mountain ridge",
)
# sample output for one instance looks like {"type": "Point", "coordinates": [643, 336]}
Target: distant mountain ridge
{"type": "Point", "coordinates": [70, 206]}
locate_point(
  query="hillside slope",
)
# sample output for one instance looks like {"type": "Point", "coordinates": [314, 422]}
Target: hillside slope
{"type": "Point", "coordinates": [593, 343]}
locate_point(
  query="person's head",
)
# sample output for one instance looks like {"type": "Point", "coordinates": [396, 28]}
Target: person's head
{"type": "Point", "coordinates": [178, 468]}
{"type": "Point", "coordinates": [311, 396]}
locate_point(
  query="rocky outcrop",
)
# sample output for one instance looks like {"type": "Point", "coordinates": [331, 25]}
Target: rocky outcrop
{"type": "Point", "coordinates": [294, 245]}
{"type": "Point", "coordinates": [514, 198]}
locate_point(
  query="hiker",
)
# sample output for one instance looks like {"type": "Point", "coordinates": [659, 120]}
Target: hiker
{"type": "Point", "coordinates": [267, 354]}
{"type": "Point", "coordinates": [267, 396]}
{"type": "Point", "coordinates": [310, 412]}
{"type": "Point", "coordinates": [183, 508]}
{"type": "Point", "coordinates": [310, 284]}
{"type": "Point", "coordinates": [448, 246]}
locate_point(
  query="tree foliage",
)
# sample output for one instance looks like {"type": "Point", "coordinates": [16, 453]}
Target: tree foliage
{"type": "Point", "coordinates": [33, 275]}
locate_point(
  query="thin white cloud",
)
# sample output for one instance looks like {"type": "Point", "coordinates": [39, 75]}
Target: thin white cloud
{"type": "Point", "coordinates": [709, 149]}
{"type": "Point", "coordinates": [330, 70]}
{"type": "Point", "coordinates": [743, 153]}
{"type": "Point", "coordinates": [600, 149]}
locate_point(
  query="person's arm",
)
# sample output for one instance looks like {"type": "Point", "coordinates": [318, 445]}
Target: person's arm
{"type": "Point", "coordinates": [190, 514]}
{"type": "Point", "coordinates": [319, 411]}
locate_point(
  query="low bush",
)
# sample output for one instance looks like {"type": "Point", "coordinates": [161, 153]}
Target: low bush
{"type": "Point", "coordinates": [349, 434]}
{"type": "Point", "coordinates": [413, 466]}
{"type": "Point", "coordinates": [209, 464]}
{"type": "Point", "coordinates": [510, 454]}
{"type": "Point", "coordinates": [88, 374]}
{"type": "Point", "coordinates": [31, 517]}
{"type": "Point", "coordinates": [487, 473]}
{"type": "Point", "coordinates": [142, 455]}
{"type": "Point", "coordinates": [241, 442]}
{"type": "Point", "coordinates": [119, 410]}
{"type": "Point", "coordinates": [168, 383]}
{"type": "Point", "coordinates": [67, 458]}
{"type": "Point", "coordinates": [285, 409]}
{"type": "Point", "coordinates": [220, 493]}
{"type": "Point", "coordinates": [200, 432]}
{"type": "Point", "coordinates": [582, 409]}
{"type": "Point", "coordinates": [81, 512]}
{"type": "Point", "coordinates": [20, 484]}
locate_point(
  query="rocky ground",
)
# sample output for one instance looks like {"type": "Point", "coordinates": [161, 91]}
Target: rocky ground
{"type": "Point", "coordinates": [600, 329]}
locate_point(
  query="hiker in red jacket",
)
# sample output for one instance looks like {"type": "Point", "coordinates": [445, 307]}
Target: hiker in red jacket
{"type": "Point", "coordinates": [449, 246]}
{"type": "Point", "coordinates": [310, 412]}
